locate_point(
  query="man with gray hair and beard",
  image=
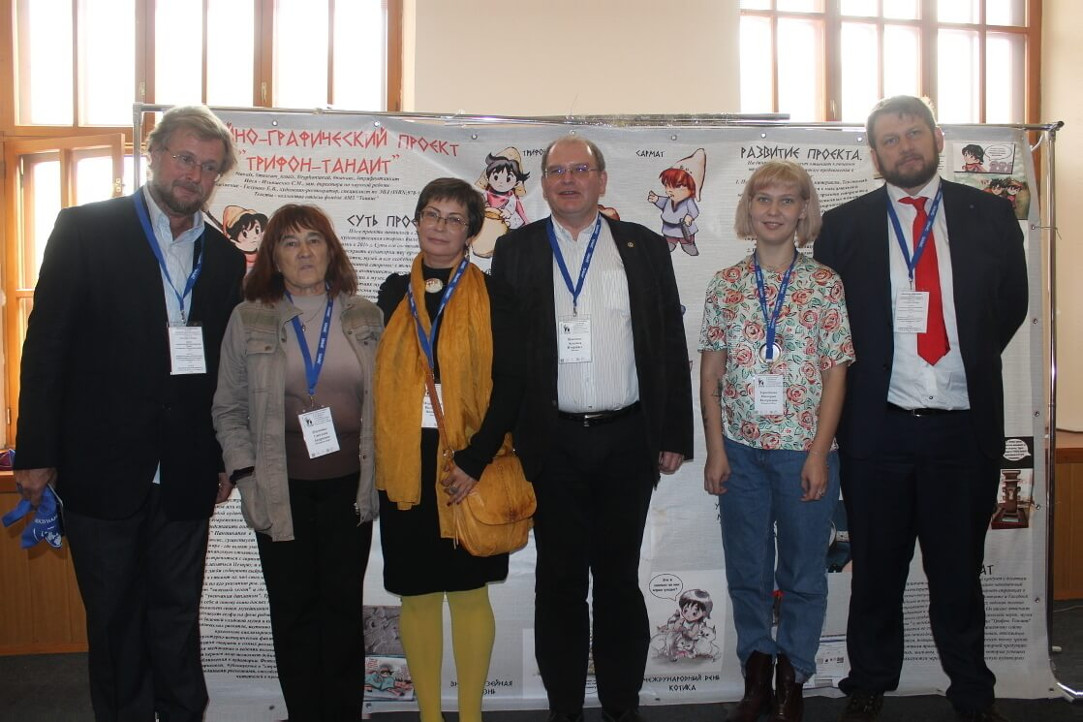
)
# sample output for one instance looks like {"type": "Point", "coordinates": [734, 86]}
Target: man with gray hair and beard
{"type": "Point", "coordinates": [119, 368]}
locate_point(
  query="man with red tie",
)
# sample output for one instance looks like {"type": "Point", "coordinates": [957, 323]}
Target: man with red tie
{"type": "Point", "coordinates": [936, 286]}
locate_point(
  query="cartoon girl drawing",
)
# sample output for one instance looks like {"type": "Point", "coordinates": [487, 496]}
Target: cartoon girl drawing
{"type": "Point", "coordinates": [502, 181]}
{"type": "Point", "coordinates": [687, 634]}
{"type": "Point", "coordinates": [683, 183]}
{"type": "Point", "coordinates": [244, 228]}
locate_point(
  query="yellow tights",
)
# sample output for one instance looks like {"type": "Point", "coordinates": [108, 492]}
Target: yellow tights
{"type": "Point", "coordinates": [473, 630]}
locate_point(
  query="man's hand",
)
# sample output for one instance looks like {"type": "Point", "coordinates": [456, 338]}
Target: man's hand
{"type": "Point", "coordinates": [669, 461]}
{"type": "Point", "coordinates": [225, 487]}
{"type": "Point", "coordinates": [31, 483]}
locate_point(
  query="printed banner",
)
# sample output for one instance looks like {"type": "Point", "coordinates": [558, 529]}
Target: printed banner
{"type": "Point", "coordinates": [366, 172]}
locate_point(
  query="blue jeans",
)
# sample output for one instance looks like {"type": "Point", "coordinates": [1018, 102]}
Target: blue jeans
{"type": "Point", "coordinates": [762, 502]}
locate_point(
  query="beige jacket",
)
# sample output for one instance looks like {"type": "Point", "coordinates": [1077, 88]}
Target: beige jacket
{"type": "Point", "coordinates": [249, 415]}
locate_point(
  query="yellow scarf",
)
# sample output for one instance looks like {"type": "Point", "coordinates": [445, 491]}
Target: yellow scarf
{"type": "Point", "coordinates": [466, 359]}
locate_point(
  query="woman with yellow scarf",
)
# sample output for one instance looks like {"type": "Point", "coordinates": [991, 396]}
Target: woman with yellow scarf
{"type": "Point", "coordinates": [446, 316]}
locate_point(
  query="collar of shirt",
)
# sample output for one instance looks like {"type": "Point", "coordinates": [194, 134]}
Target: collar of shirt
{"type": "Point", "coordinates": [564, 236]}
{"type": "Point", "coordinates": [159, 221]}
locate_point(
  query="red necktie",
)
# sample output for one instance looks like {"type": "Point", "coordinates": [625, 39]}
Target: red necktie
{"type": "Point", "coordinates": [933, 344]}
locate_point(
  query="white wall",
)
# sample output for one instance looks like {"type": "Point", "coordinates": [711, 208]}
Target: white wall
{"type": "Point", "coordinates": [572, 57]}
{"type": "Point", "coordinates": [1062, 56]}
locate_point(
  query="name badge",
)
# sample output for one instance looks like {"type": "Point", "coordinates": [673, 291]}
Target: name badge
{"type": "Point", "coordinates": [319, 431]}
{"type": "Point", "coordinates": [770, 394]}
{"type": "Point", "coordinates": [186, 350]}
{"type": "Point", "coordinates": [573, 339]}
{"type": "Point", "coordinates": [911, 311]}
{"type": "Point", "coordinates": [428, 417]}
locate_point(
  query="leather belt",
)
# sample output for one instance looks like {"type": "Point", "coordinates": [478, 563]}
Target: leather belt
{"type": "Point", "coordinates": [924, 412]}
{"type": "Point", "coordinates": [599, 417]}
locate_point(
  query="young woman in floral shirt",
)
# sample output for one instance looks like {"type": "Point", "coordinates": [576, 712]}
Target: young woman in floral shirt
{"type": "Point", "coordinates": [774, 348]}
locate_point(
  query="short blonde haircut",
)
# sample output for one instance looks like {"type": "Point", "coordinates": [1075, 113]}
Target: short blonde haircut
{"type": "Point", "coordinates": [780, 173]}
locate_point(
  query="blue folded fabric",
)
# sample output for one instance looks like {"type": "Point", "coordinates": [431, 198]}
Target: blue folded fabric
{"type": "Point", "coordinates": [45, 524]}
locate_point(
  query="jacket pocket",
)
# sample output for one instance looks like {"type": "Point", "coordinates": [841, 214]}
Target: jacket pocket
{"type": "Point", "coordinates": [253, 504]}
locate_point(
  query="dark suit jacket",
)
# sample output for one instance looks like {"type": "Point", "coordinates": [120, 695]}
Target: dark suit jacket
{"type": "Point", "coordinates": [990, 289]}
{"type": "Point", "coordinates": [97, 400]}
{"type": "Point", "coordinates": [524, 261]}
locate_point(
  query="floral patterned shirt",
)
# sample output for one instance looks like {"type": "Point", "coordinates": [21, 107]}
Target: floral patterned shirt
{"type": "Point", "coordinates": [813, 331]}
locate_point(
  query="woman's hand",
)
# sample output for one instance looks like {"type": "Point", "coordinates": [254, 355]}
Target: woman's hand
{"type": "Point", "coordinates": [814, 476]}
{"type": "Point", "coordinates": [716, 472]}
{"type": "Point", "coordinates": [457, 484]}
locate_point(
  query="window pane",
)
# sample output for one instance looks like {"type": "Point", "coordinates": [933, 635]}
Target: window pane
{"type": "Point", "coordinates": [902, 9]}
{"type": "Point", "coordinates": [231, 53]}
{"type": "Point", "coordinates": [806, 6]}
{"type": "Point", "coordinates": [300, 63]}
{"type": "Point", "coordinates": [45, 186]}
{"type": "Point", "coordinates": [45, 44]}
{"type": "Point", "coordinates": [902, 44]}
{"type": "Point", "coordinates": [756, 54]}
{"type": "Point", "coordinates": [178, 34]}
{"type": "Point", "coordinates": [106, 61]}
{"type": "Point", "coordinates": [957, 11]}
{"type": "Point", "coordinates": [860, 8]}
{"type": "Point", "coordinates": [861, 71]}
{"type": "Point", "coordinates": [93, 179]}
{"type": "Point", "coordinates": [755, 4]}
{"type": "Point", "coordinates": [360, 55]}
{"type": "Point", "coordinates": [957, 77]}
{"type": "Point", "coordinates": [800, 71]}
{"type": "Point", "coordinates": [1006, 12]}
{"type": "Point", "coordinates": [1005, 78]}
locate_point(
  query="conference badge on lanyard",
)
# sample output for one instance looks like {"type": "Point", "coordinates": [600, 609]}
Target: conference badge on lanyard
{"type": "Point", "coordinates": [186, 350]}
{"type": "Point", "coordinates": [317, 426]}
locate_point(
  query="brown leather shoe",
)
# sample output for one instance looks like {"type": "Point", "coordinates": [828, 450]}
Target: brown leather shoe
{"type": "Point", "coordinates": [789, 704]}
{"type": "Point", "coordinates": [757, 697]}
{"type": "Point", "coordinates": [862, 707]}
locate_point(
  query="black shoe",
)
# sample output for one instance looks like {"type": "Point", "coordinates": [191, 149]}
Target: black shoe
{"type": "Point", "coordinates": [555, 716]}
{"type": "Point", "coordinates": [628, 715]}
{"type": "Point", "coordinates": [862, 707]}
{"type": "Point", "coordinates": [759, 669]}
{"type": "Point", "coordinates": [989, 714]}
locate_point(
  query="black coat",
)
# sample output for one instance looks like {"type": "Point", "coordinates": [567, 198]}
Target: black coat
{"type": "Point", "coordinates": [524, 261]}
{"type": "Point", "coordinates": [97, 399]}
{"type": "Point", "coordinates": [989, 273]}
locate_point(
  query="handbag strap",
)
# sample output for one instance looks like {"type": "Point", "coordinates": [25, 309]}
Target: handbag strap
{"type": "Point", "coordinates": [437, 411]}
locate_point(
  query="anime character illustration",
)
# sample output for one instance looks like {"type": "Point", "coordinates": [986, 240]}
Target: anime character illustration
{"type": "Point", "coordinates": [973, 158]}
{"type": "Point", "coordinates": [1016, 191]}
{"type": "Point", "coordinates": [381, 679]}
{"type": "Point", "coordinates": [244, 228]}
{"type": "Point", "coordinates": [502, 181]}
{"type": "Point", "coordinates": [687, 634]}
{"type": "Point", "coordinates": [683, 183]}
{"type": "Point", "coordinates": [388, 678]}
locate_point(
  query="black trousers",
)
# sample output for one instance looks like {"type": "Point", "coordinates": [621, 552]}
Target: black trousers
{"type": "Point", "coordinates": [141, 579]}
{"type": "Point", "coordinates": [314, 589]}
{"type": "Point", "coordinates": [593, 497]}
{"type": "Point", "coordinates": [929, 482]}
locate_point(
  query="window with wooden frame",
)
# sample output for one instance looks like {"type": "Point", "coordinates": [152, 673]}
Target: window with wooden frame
{"type": "Point", "coordinates": [71, 70]}
{"type": "Point", "coordinates": [977, 60]}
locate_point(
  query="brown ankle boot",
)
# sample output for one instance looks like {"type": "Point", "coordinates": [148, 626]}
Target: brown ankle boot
{"type": "Point", "coordinates": [789, 705]}
{"type": "Point", "coordinates": [757, 697]}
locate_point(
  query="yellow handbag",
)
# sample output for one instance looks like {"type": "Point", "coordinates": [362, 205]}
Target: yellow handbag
{"type": "Point", "coordinates": [495, 517]}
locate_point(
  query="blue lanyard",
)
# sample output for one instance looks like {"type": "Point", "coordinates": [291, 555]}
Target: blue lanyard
{"type": "Point", "coordinates": [578, 287]}
{"type": "Point", "coordinates": [771, 321]}
{"type": "Point", "coordinates": [429, 341]}
{"type": "Point", "coordinates": [919, 247]}
{"type": "Point", "coordinates": [144, 217]}
{"type": "Point", "coordinates": [312, 370]}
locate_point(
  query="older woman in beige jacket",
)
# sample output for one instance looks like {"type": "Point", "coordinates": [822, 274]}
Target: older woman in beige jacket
{"type": "Point", "coordinates": [293, 412]}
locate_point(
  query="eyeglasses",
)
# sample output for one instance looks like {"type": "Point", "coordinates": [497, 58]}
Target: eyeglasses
{"type": "Point", "coordinates": [579, 170]}
{"type": "Point", "coordinates": [429, 217]}
{"type": "Point", "coordinates": [187, 162]}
